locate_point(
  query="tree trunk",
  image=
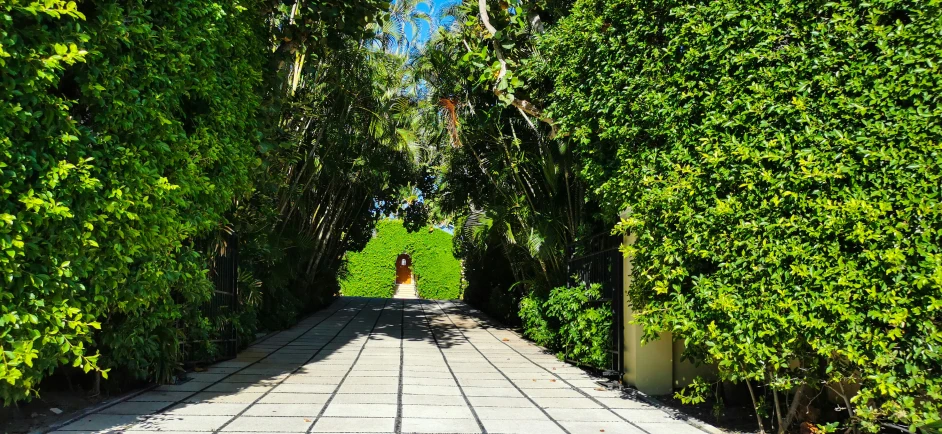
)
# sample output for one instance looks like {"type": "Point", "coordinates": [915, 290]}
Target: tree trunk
{"type": "Point", "coordinates": [755, 407]}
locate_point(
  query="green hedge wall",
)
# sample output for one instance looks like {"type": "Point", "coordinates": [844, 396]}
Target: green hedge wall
{"type": "Point", "coordinates": [781, 162]}
{"type": "Point", "coordinates": [372, 271]}
{"type": "Point", "coordinates": [126, 128]}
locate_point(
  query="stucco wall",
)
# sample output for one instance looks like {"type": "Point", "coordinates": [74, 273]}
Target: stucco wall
{"type": "Point", "coordinates": [655, 367]}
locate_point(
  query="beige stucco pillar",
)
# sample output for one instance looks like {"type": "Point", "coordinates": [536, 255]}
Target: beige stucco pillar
{"type": "Point", "coordinates": [648, 367]}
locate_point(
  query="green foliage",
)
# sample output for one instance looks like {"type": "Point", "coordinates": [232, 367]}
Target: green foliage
{"type": "Point", "coordinates": [128, 132]}
{"type": "Point", "coordinates": [585, 323]}
{"type": "Point", "coordinates": [340, 168]}
{"type": "Point", "coordinates": [125, 130]}
{"type": "Point", "coordinates": [535, 321]}
{"type": "Point", "coordinates": [372, 271]}
{"type": "Point", "coordinates": [931, 428]}
{"type": "Point", "coordinates": [489, 284]}
{"type": "Point", "coordinates": [343, 157]}
{"type": "Point", "coordinates": [780, 163]}
{"type": "Point", "coordinates": [694, 393]}
{"type": "Point", "coordinates": [512, 189]}
{"type": "Point", "coordinates": [573, 321]}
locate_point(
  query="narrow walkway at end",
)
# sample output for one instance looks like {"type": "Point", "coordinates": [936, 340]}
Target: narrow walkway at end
{"type": "Point", "coordinates": [388, 366]}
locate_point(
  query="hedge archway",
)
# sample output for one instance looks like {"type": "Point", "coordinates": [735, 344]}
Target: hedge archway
{"type": "Point", "coordinates": [372, 271]}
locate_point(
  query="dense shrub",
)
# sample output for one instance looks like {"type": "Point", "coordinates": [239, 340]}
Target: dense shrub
{"type": "Point", "coordinates": [781, 165]}
{"type": "Point", "coordinates": [534, 318]}
{"type": "Point", "coordinates": [585, 324]}
{"type": "Point", "coordinates": [572, 321]}
{"type": "Point", "coordinates": [125, 130]}
{"type": "Point", "coordinates": [372, 271]}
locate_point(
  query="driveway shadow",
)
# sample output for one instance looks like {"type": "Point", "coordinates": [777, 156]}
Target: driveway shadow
{"type": "Point", "coordinates": [292, 373]}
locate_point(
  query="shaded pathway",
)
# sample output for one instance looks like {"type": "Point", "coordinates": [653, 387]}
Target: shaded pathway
{"type": "Point", "coordinates": [388, 366]}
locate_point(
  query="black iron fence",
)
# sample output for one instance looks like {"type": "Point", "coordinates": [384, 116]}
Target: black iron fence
{"type": "Point", "coordinates": [220, 309]}
{"type": "Point", "coordinates": [597, 260]}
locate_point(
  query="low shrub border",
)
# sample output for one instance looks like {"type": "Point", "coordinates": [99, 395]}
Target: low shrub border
{"type": "Point", "coordinates": [572, 322]}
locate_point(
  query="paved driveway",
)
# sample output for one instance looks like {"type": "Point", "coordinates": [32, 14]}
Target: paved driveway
{"type": "Point", "coordinates": [389, 366]}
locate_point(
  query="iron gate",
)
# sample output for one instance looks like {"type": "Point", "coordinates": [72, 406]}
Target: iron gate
{"type": "Point", "coordinates": [596, 259]}
{"type": "Point", "coordinates": [223, 304]}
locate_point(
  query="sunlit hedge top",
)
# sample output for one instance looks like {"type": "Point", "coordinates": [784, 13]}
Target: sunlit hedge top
{"type": "Point", "coordinates": [782, 163]}
{"type": "Point", "coordinates": [372, 272]}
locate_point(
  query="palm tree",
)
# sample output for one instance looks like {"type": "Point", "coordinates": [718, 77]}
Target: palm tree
{"type": "Point", "coordinates": [518, 180]}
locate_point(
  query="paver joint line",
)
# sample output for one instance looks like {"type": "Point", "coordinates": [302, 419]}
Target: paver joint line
{"type": "Point", "coordinates": [402, 339]}
{"type": "Point", "coordinates": [453, 376]}
{"type": "Point", "coordinates": [334, 372]}
{"type": "Point", "coordinates": [257, 400]}
{"type": "Point", "coordinates": [501, 372]}
{"type": "Point", "coordinates": [320, 415]}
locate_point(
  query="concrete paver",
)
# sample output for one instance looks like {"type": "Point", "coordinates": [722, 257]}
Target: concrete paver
{"type": "Point", "coordinates": [387, 366]}
{"type": "Point", "coordinates": [449, 400]}
{"type": "Point", "coordinates": [355, 410]}
{"type": "Point", "coordinates": [269, 424]}
{"type": "Point", "coordinates": [354, 424]}
{"type": "Point", "coordinates": [511, 413]}
{"type": "Point", "coordinates": [137, 407]}
{"type": "Point", "coordinates": [372, 398]}
{"type": "Point", "coordinates": [583, 414]}
{"type": "Point", "coordinates": [195, 423]}
{"type": "Point", "coordinates": [224, 398]}
{"type": "Point", "coordinates": [597, 427]}
{"type": "Point", "coordinates": [510, 426]}
{"type": "Point", "coordinates": [294, 398]}
{"type": "Point", "coordinates": [309, 410]}
{"type": "Point", "coordinates": [206, 409]}
{"type": "Point", "coordinates": [436, 412]}
{"type": "Point", "coordinates": [444, 426]}
{"type": "Point", "coordinates": [103, 423]}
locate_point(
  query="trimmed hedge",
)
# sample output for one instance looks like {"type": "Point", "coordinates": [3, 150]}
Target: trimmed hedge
{"type": "Point", "coordinates": [372, 271]}
{"type": "Point", "coordinates": [781, 162]}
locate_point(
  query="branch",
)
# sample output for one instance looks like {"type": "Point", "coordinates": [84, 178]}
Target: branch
{"type": "Point", "coordinates": [523, 105]}
{"type": "Point", "coordinates": [527, 118]}
{"type": "Point", "coordinates": [486, 20]}
{"type": "Point", "coordinates": [482, 7]}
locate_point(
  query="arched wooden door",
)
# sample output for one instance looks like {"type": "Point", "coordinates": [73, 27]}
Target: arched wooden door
{"type": "Point", "coordinates": [404, 269]}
